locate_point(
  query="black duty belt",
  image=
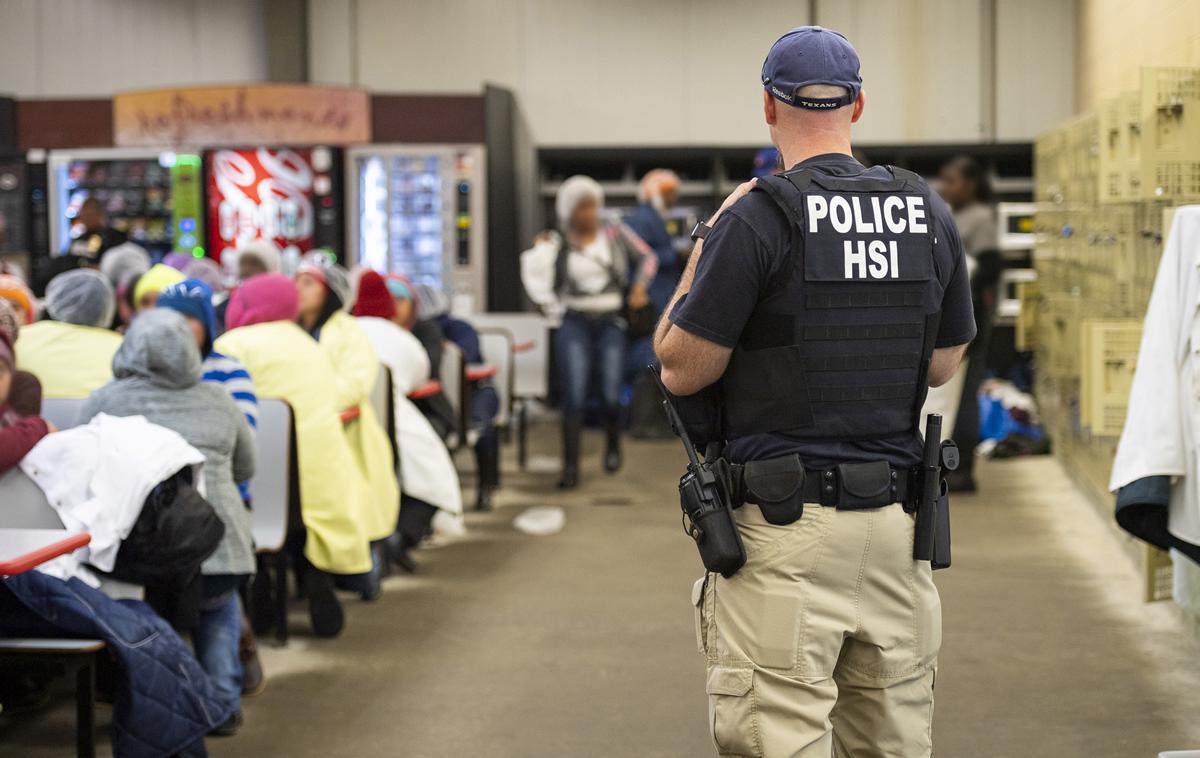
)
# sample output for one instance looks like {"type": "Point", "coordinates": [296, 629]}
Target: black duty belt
{"type": "Point", "coordinates": [848, 486]}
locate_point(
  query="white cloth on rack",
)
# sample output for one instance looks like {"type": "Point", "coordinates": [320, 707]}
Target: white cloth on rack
{"type": "Point", "coordinates": [1163, 423]}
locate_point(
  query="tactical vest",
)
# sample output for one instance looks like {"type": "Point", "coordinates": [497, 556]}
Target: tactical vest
{"type": "Point", "coordinates": [838, 346]}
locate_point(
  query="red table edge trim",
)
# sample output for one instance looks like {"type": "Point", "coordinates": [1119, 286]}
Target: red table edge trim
{"type": "Point", "coordinates": [428, 389]}
{"type": "Point", "coordinates": [481, 372]}
{"type": "Point", "coordinates": [350, 414]}
{"type": "Point", "coordinates": [36, 558]}
{"type": "Point", "coordinates": [524, 347]}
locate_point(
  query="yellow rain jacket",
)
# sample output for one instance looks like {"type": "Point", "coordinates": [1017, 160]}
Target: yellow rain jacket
{"type": "Point", "coordinates": [356, 368]}
{"type": "Point", "coordinates": [69, 360]}
{"type": "Point", "coordinates": [287, 364]}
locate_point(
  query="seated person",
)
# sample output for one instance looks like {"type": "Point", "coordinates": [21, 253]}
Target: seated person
{"type": "Point", "coordinates": [25, 394]}
{"type": "Point", "coordinates": [158, 376]}
{"type": "Point", "coordinates": [485, 402]}
{"type": "Point", "coordinates": [18, 432]}
{"type": "Point", "coordinates": [437, 407]}
{"type": "Point", "coordinates": [324, 290]}
{"type": "Point", "coordinates": [193, 298]}
{"type": "Point", "coordinates": [159, 277]}
{"type": "Point", "coordinates": [124, 265]}
{"type": "Point", "coordinates": [14, 290]}
{"type": "Point", "coordinates": [430, 480]}
{"type": "Point", "coordinates": [251, 258]}
{"type": "Point", "coordinates": [71, 352]}
{"type": "Point", "coordinates": [286, 363]}
{"type": "Point", "coordinates": [208, 271]}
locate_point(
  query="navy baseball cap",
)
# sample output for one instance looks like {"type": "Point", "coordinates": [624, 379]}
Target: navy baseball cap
{"type": "Point", "coordinates": [812, 55]}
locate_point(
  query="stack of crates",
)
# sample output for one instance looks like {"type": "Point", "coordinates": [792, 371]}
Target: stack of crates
{"type": "Point", "coordinates": [1104, 183]}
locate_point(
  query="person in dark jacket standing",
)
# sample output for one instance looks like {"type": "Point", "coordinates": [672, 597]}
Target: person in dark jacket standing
{"type": "Point", "coordinates": [157, 374]}
{"type": "Point", "coordinates": [657, 194]}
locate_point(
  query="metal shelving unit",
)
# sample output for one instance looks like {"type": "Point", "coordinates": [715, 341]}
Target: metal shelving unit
{"type": "Point", "coordinates": [708, 174]}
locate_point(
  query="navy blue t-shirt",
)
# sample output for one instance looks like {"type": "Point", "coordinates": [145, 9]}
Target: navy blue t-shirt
{"type": "Point", "coordinates": [746, 246]}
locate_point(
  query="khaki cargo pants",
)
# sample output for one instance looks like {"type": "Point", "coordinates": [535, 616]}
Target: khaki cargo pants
{"type": "Point", "coordinates": [826, 642]}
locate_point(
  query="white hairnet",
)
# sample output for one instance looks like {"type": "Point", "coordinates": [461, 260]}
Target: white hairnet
{"type": "Point", "coordinates": [124, 262]}
{"type": "Point", "coordinates": [336, 278]}
{"type": "Point", "coordinates": [263, 249]}
{"type": "Point", "coordinates": [81, 296]}
{"type": "Point", "coordinates": [574, 191]}
{"type": "Point", "coordinates": [431, 301]}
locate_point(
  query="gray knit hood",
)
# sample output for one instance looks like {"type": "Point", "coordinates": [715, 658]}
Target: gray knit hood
{"type": "Point", "coordinates": [160, 348]}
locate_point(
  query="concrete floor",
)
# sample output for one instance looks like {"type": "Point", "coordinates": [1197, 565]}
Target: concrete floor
{"type": "Point", "coordinates": [581, 644]}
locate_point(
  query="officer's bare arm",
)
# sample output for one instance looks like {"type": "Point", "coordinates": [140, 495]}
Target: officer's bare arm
{"type": "Point", "coordinates": [944, 363]}
{"type": "Point", "coordinates": [691, 363]}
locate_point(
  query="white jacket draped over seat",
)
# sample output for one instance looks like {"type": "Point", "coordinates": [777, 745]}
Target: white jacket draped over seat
{"type": "Point", "coordinates": [97, 476]}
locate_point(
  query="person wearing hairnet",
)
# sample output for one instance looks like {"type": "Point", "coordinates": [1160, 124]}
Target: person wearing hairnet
{"type": "Point", "coordinates": [158, 375]}
{"type": "Point", "coordinates": [71, 352]}
{"type": "Point", "coordinates": [286, 363]}
{"type": "Point", "coordinates": [124, 266]}
{"type": "Point", "coordinates": [434, 305]}
{"type": "Point", "coordinates": [150, 284]}
{"type": "Point", "coordinates": [251, 258]}
{"type": "Point", "coordinates": [325, 294]}
{"type": "Point", "coordinates": [594, 272]}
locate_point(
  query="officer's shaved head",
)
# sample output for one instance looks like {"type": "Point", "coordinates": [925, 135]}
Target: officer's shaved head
{"type": "Point", "coordinates": [792, 125]}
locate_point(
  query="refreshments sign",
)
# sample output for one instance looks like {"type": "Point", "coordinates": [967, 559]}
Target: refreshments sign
{"type": "Point", "coordinates": [298, 114]}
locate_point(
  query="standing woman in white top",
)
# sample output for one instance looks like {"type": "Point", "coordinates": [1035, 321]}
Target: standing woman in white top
{"type": "Point", "coordinates": [591, 273]}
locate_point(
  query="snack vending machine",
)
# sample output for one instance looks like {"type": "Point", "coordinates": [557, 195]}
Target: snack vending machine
{"type": "Point", "coordinates": [14, 209]}
{"type": "Point", "coordinates": [153, 196]}
{"type": "Point", "coordinates": [420, 210]}
{"type": "Point", "coordinates": [289, 195]}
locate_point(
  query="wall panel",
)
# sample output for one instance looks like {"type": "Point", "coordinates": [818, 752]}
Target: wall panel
{"type": "Point", "coordinates": [90, 48]}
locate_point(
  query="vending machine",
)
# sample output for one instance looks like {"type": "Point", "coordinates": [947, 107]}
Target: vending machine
{"type": "Point", "coordinates": [15, 240]}
{"type": "Point", "coordinates": [153, 196]}
{"type": "Point", "coordinates": [420, 210]}
{"type": "Point", "coordinates": [290, 195]}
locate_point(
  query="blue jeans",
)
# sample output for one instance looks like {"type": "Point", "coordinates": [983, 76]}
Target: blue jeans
{"type": "Point", "coordinates": [590, 346]}
{"type": "Point", "coordinates": [215, 640]}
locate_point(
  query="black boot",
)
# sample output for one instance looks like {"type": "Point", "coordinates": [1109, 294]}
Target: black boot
{"type": "Point", "coordinates": [324, 608]}
{"type": "Point", "coordinates": [572, 428]}
{"type": "Point", "coordinates": [612, 449]}
{"type": "Point", "coordinates": [487, 467]}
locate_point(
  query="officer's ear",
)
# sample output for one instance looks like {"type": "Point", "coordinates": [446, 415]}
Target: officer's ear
{"type": "Point", "coordinates": [859, 103]}
{"type": "Point", "coordinates": [769, 112]}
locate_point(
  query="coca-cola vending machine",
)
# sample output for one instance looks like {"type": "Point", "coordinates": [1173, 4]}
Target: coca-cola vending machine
{"type": "Point", "coordinates": [291, 196]}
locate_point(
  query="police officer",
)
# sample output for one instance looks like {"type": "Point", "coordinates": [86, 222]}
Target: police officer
{"type": "Point", "coordinates": [825, 300]}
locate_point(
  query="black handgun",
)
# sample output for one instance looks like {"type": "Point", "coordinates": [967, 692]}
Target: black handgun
{"type": "Point", "coordinates": [932, 539]}
{"type": "Point", "coordinates": [704, 499]}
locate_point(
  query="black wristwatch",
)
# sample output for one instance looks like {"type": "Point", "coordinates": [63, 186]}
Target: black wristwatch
{"type": "Point", "coordinates": [700, 231]}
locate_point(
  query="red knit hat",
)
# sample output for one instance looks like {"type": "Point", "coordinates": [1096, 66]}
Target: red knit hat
{"type": "Point", "coordinates": [374, 298]}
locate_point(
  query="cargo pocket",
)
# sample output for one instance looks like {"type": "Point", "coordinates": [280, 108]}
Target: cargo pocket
{"type": "Point", "coordinates": [733, 718]}
{"type": "Point", "coordinates": [698, 608]}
